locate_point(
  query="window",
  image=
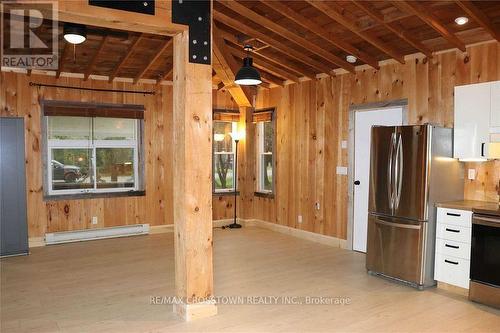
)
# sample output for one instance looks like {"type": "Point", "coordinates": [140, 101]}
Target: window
{"type": "Point", "coordinates": [87, 155]}
{"type": "Point", "coordinates": [265, 151]}
{"type": "Point", "coordinates": [223, 156]}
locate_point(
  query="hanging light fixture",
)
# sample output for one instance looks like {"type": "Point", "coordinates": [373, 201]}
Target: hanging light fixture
{"type": "Point", "coordinates": [248, 75]}
{"type": "Point", "coordinates": [75, 33]}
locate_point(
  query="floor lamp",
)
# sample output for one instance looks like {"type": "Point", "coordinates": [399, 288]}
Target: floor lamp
{"type": "Point", "coordinates": [237, 136]}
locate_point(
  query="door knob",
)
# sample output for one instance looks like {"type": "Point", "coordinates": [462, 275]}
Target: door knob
{"type": "Point", "coordinates": [357, 182]}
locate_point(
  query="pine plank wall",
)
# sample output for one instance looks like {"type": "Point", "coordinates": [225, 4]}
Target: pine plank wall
{"type": "Point", "coordinates": [312, 120]}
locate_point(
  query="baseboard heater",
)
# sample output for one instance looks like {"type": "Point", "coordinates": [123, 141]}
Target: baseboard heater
{"type": "Point", "coordinates": [93, 234]}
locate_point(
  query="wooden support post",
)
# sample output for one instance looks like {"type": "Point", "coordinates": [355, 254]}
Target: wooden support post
{"type": "Point", "coordinates": [192, 183]}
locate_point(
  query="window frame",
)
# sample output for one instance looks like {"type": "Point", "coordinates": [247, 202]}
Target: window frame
{"type": "Point", "coordinates": [138, 160]}
{"type": "Point", "coordinates": [260, 153]}
{"type": "Point", "coordinates": [234, 127]}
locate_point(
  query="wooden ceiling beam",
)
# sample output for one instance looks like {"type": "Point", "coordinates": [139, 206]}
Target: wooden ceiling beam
{"type": "Point", "coordinates": [431, 20]}
{"type": "Point", "coordinates": [269, 78]}
{"type": "Point", "coordinates": [226, 68]}
{"type": "Point", "coordinates": [125, 57]}
{"type": "Point", "coordinates": [286, 64]}
{"type": "Point", "coordinates": [286, 33]}
{"type": "Point", "coordinates": [82, 12]}
{"type": "Point", "coordinates": [365, 35]}
{"type": "Point", "coordinates": [321, 32]}
{"type": "Point", "coordinates": [281, 62]}
{"type": "Point", "coordinates": [480, 17]}
{"type": "Point", "coordinates": [150, 63]}
{"type": "Point", "coordinates": [60, 65]}
{"type": "Point", "coordinates": [260, 62]}
{"type": "Point", "coordinates": [278, 45]}
{"type": "Point", "coordinates": [393, 27]}
{"type": "Point", "coordinates": [92, 63]}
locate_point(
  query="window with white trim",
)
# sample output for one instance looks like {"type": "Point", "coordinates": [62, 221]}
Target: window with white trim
{"type": "Point", "coordinates": [92, 155]}
{"type": "Point", "coordinates": [223, 156]}
{"type": "Point", "coordinates": [265, 156]}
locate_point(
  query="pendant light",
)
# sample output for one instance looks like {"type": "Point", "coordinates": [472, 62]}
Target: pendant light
{"type": "Point", "coordinates": [248, 75]}
{"type": "Point", "coordinates": [75, 33]}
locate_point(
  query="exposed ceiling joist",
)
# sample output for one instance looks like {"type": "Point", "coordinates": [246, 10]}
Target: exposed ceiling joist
{"type": "Point", "coordinates": [270, 78]}
{"type": "Point", "coordinates": [92, 63]}
{"type": "Point", "coordinates": [226, 67]}
{"type": "Point", "coordinates": [291, 52]}
{"type": "Point", "coordinates": [393, 27]}
{"type": "Point", "coordinates": [150, 63]}
{"type": "Point", "coordinates": [127, 55]}
{"type": "Point", "coordinates": [426, 15]}
{"type": "Point", "coordinates": [286, 33]}
{"type": "Point", "coordinates": [350, 25]}
{"type": "Point", "coordinates": [321, 32]}
{"type": "Point", "coordinates": [278, 62]}
{"type": "Point", "coordinates": [480, 17]}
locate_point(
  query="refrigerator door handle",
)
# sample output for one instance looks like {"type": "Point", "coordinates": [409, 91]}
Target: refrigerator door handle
{"type": "Point", "coordinates": [399, 170]}
{"type": "Point", "coordinates": [390, 162]}
{"type": "Point", "coordinates": [397, 225]}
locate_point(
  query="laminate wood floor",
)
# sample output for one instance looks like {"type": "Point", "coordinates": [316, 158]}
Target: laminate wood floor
{"type": "Point", "coordinates": [106, 286]}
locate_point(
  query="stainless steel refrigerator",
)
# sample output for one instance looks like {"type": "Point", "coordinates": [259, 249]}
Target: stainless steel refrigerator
{"type": "Point", "coordinates": [411, 168]}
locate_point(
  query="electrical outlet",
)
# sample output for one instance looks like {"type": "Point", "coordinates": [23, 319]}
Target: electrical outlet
{"type": "Point", "coordinates": [317, 206]}
{"type": "Point", "coordinates": [341, 170]}
{"type": "Point", "coordinates": [299, 219]}
{"type": "Point", "coordinates": [472, 174]}
{"type": "Point", "coordinates": [94, 219]}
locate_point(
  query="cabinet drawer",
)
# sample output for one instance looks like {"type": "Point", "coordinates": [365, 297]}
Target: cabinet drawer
{"type": "Point", "coordinates": [454, 217]}
{"type": "Point", "coordinates": [452, 270]}
{"type": "Point", "coordinates": [454, 233]}
{"type": "Point", "coordinates": [453, 248]}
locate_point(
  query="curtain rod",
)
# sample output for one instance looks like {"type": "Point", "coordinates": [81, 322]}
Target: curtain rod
{"type": "Point", "coordinates": [92, 89]}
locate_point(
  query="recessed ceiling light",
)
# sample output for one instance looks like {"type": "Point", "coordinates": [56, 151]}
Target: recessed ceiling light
{"type": "Point", "coordinates": [461, 20]}
{"type": "Point", "coordinates": [351, 59]}
{"type": "Point", "coordinates": [75, 33]}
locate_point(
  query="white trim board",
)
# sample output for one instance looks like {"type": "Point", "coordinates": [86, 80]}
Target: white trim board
{"type": "Point", "coordinates": [303, 234]}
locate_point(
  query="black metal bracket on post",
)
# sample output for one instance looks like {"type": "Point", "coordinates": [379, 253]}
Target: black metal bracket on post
{"type": "Point", "coordinates": [196, 14]}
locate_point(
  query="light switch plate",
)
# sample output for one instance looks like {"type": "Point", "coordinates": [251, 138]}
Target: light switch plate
{"type": "Point", "coordinates": [344, 144]}
{"type": "Point", "coordinates": [341, 170]}
{"type": "Point", "coordinates": [472, 174]}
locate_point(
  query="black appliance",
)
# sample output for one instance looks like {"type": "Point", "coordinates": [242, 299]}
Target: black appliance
{"type": "Point", "coordinates": [485, 258]}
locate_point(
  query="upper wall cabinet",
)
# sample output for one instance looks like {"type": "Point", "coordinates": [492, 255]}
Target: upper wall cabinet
{"type": "Point", "coordinates": [477, 120]}
{"type": "Point", "coordinates": [495, 107]}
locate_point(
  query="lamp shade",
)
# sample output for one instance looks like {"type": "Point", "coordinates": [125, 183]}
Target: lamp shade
{"type": "Point", "coordinates": [75, 33]}
{"type": "Point", "coordinates": [248, 75]}
{"type": "Point", "coordinates": [238, 135]}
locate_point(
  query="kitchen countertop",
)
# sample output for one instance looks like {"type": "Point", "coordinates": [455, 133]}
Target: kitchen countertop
{"type": "Point", "coordinates": [471, 205]}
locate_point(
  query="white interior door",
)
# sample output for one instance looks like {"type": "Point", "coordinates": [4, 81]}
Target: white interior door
{"type": "Point", "coordinates": [363, 122]}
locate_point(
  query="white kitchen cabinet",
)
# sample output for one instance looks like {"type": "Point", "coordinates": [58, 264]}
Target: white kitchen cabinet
{"type": "Point", "coordinates": [495, 107]}
{"type": "Point", "coordinates": [472, 121]}
{"type": "Point", "coordinates": [453, 244]}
